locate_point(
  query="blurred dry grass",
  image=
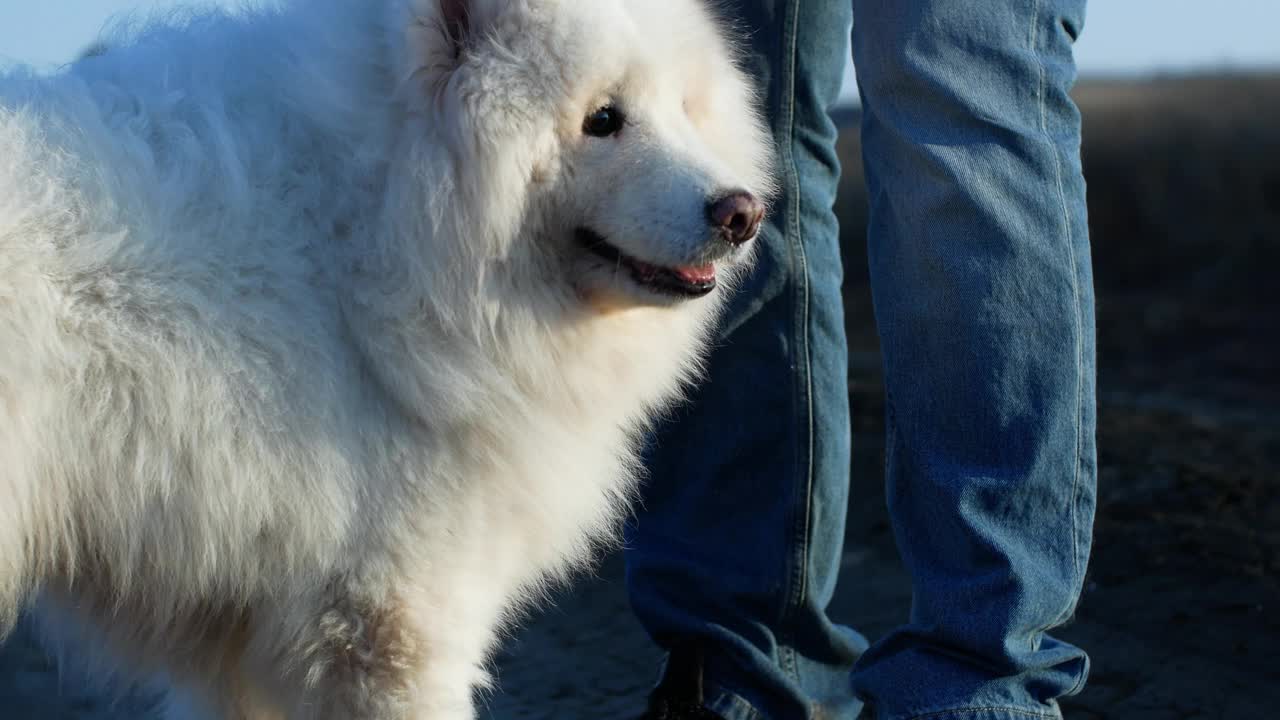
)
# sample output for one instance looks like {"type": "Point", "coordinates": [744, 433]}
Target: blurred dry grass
{"type": "Point", "coordinates": [1185, 183]}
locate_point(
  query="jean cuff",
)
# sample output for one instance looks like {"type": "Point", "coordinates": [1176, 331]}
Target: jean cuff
{"type": "Point", "coordinates": [990, 712]}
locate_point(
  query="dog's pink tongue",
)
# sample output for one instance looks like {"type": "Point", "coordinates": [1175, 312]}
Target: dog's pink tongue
{"type": "Point", "coordinates": [697, 274]}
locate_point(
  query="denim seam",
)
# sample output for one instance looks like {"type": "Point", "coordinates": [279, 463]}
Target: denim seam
{"type": "Point", "coordinates": [797, 574]}
{"type": "Point", "coordinates": [1075, 294]}
{"type": "Point", "coordinates": [961, 712]}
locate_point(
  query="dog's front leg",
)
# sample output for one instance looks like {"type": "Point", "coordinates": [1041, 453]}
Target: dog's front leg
{"type": "Point", "coordinates": [460, 629]}
{"type": "Point", "coordinates": [385, 659]}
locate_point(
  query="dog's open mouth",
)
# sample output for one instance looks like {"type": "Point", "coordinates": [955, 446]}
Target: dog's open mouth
{"type": "Point", "coordinates": [682, 280]}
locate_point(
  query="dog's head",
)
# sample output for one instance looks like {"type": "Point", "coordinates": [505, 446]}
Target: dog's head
{"type": "Point", "coordinates": [607, 153]}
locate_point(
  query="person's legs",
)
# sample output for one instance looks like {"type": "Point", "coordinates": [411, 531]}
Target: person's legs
{"type": "Point", "coordinates": [738, 542]}
{"type": "Point", "coordinates": [983, 294]}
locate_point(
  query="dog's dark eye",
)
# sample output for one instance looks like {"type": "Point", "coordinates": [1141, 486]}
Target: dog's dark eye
{"type": "Point", "coordinates": [604, 122]}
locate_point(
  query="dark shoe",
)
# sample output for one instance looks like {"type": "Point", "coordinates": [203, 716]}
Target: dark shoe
{"type": "Point", "coordinates": [679, 694]}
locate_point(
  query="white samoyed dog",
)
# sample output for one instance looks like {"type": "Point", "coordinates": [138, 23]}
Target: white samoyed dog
{"type": "Point", "coordinates": [328, 330]}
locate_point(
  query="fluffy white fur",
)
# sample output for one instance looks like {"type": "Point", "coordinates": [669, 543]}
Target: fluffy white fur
{"type": "Point", "coordinates": [304, 382]}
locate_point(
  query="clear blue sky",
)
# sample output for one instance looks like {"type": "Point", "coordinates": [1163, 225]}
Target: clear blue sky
{"type": "Point", "coordinates": [1121, 36]}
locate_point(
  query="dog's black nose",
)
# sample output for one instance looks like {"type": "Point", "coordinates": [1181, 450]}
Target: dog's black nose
{"type": "Point", "coordinates": [736, 216]}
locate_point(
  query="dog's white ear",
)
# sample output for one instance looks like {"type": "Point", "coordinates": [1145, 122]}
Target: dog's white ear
{"type": "Point", "coordinates": [440, 30]}
{"type": "Point", "coordinates": [455, 21]}
{"type": "Point", "coordinates": [430, 39]}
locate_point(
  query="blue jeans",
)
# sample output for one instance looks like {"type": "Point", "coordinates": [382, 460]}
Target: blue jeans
{"type": "Point", "coordinates": [981, 277]}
